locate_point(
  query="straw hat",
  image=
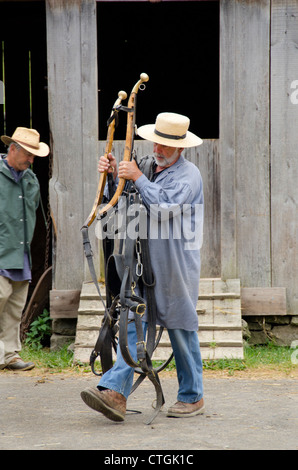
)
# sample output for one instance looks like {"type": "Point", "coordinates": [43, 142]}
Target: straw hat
{"type": "Point", "coordinates": [170, 129]}
{"type": "Point", "coordinates": [29, 140]}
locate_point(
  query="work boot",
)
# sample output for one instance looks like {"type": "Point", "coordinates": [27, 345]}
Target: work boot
{"type": "Point", "coordinates": [186, 410]}
{"type": "Point", "coordinates": [17, 364]}
{"type": "Point", "coordinates": [108, 402]}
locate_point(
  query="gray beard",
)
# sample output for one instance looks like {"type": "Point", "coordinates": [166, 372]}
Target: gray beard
{"type": "Point", "coordinates": [166, 161]}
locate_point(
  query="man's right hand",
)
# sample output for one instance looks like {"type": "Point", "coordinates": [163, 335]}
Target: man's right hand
{"type": "Point", "coordinates": [108, 164]}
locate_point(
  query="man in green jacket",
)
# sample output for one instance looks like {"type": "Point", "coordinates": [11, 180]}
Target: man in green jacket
{"type": "Point", "coordinates": [19, 199]}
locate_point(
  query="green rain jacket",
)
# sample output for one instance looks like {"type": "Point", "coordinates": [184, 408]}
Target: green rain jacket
{"type": "Point", "coordinates": [18, 204]}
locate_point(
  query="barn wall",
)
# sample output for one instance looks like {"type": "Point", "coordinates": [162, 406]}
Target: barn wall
{"type": "Point", "coordinates": [258, 142]}
{"type": "Point", "coordinates": [244, 142]}
{"type": "Point", "coordinates": [284, 145]}
{"type": "Point", "coordinates": [250, 173]}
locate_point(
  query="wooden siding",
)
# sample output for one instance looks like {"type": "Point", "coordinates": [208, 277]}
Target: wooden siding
{"type": "Point", "coordinates": [250, 173]}
{"type": "Point", "coordinates": [244, 142]}
{"type": "Point", "coordinates": [284, 145]}
{"type": "Point", "coordinates": [258, 144]}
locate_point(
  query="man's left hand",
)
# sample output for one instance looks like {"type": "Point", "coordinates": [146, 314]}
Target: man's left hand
{"type": "Point", "coordinates": [129, 170]}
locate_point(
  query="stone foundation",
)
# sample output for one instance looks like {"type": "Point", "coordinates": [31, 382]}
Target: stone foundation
{"type": "Point", "coordinates": [63, 332]}
{"type": "Point", "coordinates": [280, 330]}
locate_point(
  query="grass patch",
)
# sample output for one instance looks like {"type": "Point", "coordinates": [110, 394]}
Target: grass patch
{"type": "Point", "coordinates": [54, 361]}
{"type": "Point", "coordinates": [229, 365]}
{"type": "Point", "coordinates": [270, 356]}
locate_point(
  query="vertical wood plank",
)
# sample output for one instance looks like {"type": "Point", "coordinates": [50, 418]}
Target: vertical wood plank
{"type": "Point", "coordinates": [89, 119]}
{"type": "Point", "coordinates": [73, 145]}
{"type": "Point", "coordinates": [206, 158]}
{"type": "Point", "coordinates": [252, 182]}
{"type": "Point", "coordinates": [284, 144]}
{"type": "Point", "coordinates": [227, 139]}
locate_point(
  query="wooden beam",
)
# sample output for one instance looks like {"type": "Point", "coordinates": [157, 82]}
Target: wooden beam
{"type": "Point", "coordinates": [263, 301]}
{"type": "Point", "coordinates": [64, 303]}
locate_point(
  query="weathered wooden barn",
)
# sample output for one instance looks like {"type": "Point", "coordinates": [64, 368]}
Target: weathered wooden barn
{"type": "Point", "coordinates": [230, 65]}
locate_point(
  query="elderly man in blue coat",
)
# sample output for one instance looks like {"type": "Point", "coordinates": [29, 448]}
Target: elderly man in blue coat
{"type": "Point", "coordinates": [173, 190]}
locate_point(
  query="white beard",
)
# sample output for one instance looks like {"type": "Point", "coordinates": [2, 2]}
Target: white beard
{"type": "Point", "coordinates": [166, 161]}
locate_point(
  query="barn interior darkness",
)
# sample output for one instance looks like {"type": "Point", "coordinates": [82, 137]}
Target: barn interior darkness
{"type": "Point", "coordinates": [176, 44]}
{"type": "Point", "coordinates": [23, 69]}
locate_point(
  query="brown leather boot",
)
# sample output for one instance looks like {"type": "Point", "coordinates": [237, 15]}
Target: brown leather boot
{"type": "Point", "coordinates": [108, 402]}
{"type": "Point", "coordinates": [186, 410]}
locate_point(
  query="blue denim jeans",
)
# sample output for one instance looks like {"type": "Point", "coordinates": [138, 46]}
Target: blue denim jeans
{"type": "Point", "coordinates": [186, 349]}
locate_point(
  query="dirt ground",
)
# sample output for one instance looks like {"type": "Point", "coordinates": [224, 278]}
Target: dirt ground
{"type": "Point", "coordinates": [251, 409]}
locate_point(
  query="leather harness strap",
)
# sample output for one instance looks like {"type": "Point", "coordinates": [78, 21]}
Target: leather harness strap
{"type": "Point", "coordinates": [123, 305]}
{"type": "Point", "coordinates": [127, 304]}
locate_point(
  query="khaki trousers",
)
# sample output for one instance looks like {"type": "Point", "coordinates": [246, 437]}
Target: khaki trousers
{"type": "Point", "coordinates": [13, 296]}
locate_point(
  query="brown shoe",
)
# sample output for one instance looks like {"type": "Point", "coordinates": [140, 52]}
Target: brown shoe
{"type": "Point", "coordinates": [108, 402]}
{"type": "Point", "coordinates": [186, 410]}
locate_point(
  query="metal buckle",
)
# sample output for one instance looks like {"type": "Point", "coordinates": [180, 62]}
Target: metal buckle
{"type": "Point", "coordinates": [143, 307]}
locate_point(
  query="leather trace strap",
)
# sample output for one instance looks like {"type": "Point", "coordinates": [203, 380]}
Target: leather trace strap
{"type": "Point", "coordinates": [108, 319]}
{"type": "Point", "coordinates": [129, 279]}
{"type": "Point", "coordinates": [123, 279]}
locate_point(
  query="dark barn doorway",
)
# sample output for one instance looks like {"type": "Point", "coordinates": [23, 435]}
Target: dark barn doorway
{"type": "Point", "coordinates": [177, 44]}
{"type": "Point", "coordinates": [23, 70]}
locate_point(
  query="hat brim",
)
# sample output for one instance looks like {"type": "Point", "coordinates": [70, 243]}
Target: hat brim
{"type": "Point", "coordinates": [42, 151]}
{"type": "Point", "coordinates": [147, 132]}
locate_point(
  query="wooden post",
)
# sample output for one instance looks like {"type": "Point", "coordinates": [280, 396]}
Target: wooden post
{"type": "Point", "coordinates": [73, 116]}
{"type": "Point", "coordinates": [284, 145]}
{"type": "Point", "coordinates": [227, 140]}
{"type": "Point", "coordinates": [244, 142]}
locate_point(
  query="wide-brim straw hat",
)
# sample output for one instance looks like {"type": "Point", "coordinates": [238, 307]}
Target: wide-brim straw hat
{"type": "Point", "coordinates": [170, 129]}
{"type": "Point", "coordinates": [29, 140]}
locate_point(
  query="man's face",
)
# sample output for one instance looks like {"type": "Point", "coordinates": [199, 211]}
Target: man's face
{"type": "Point", "coordinates": [19, 158]}
{"type": "Point", "coordinates": [165, 156]}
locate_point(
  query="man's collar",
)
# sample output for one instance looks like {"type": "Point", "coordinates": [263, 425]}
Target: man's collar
{"type": "Point", "coordinates": [17, 175]}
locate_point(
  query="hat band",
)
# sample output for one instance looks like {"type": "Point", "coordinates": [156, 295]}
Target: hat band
{"type": "Point", "coordinates": [27, 145]}
{"type": "Point", "coordinates": [169, 136]}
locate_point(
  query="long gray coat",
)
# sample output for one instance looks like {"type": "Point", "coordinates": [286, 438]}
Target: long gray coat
{"type": "Point", "coordinates": [175, 204]}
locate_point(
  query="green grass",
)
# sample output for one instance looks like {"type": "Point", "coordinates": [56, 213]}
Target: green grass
{"type": "Point", "coordinates": [54, 361]}
{"type": "Point", "coordinates": [270, 356]}
{"type": "Point", "coordinates": [267, 356]}
{"type": "Point", "coordinates": [255, 357]}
